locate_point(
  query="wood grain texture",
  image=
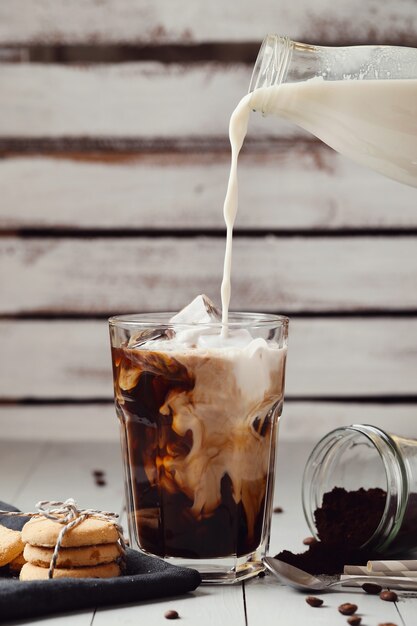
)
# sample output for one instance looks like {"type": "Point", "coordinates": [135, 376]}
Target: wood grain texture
{"type": "Point", "coordinates": [263, 597]}
{"type": "Point", "coordinates": [207, 605]}
{"type": "Point", "coordinates": [23, 458]}
{"type": "Point", "coordinates": [289, 527]}
{"type": "Point", "coordinates": [302, 185]}
{"type": "Point", "coordinates": [57, 422]}
{"type": "Point", "coordinates": [327, 358]}
{"type": "Point", "coordinates": [127, 21]}
{"type": "Point", "coordinates": [147, 100]}
{"type": "Point", "coordinates": [139, 274]}
{"type": "Point", "coordinates": [312, 420]}
{"type": "Point", "coordinates": [407, 608]}
{"type": "Point", "coordinates": [300, 421]}
{"type": "Point", "coordinates": [66, 470]}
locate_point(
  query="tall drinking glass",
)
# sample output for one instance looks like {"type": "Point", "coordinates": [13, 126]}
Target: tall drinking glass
{"type": "Point", "coordinates": [199, 421]}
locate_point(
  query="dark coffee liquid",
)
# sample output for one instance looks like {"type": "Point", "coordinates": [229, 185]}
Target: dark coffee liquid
{"type": "Point", "coordinates": [165, 523]}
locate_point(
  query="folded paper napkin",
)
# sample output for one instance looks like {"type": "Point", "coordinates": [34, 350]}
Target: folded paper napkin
{"type": "Point", "coordinates": [145, 578]}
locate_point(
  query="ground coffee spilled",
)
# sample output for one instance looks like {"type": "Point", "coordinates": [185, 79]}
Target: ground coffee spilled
{"type": "Point", "coordinates": [344, 522]}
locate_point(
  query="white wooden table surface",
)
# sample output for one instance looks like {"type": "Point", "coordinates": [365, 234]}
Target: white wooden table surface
{"type": "Point", "coordinates": [33, 471]}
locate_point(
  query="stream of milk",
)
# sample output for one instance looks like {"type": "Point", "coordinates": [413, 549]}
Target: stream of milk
{"type": "Point", "coordinates": [374, 122]}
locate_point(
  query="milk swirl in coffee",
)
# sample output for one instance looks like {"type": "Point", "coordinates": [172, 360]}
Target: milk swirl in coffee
{"type": "Point", "coordinates": [200, 415]}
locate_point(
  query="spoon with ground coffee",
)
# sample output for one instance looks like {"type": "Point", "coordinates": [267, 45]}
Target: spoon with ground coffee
{"type": "Point", "coordinates": [304, 581]}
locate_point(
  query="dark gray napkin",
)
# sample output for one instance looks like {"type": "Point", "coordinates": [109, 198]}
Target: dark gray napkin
{"type": "Point", "coordinates": [146, 578]}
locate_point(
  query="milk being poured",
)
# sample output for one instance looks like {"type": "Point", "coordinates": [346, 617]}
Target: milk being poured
{"type": "Point", "coordinates": [374, 122]}
{"type": "Point", "coordinates": [238, 127]}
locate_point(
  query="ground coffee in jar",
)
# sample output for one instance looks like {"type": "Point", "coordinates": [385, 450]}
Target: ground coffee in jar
{"type": "Point", "coordinates": [359, 499]}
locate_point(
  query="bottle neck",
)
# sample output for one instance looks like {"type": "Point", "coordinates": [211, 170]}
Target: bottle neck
{"type": "Point", "coordinates": [281, 60]}
{"type": "Point", "coordinates": [272, 62]}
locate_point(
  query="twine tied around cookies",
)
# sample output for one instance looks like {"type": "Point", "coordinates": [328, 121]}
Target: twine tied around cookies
{"type": "Point", "coordinates": [69, 515]}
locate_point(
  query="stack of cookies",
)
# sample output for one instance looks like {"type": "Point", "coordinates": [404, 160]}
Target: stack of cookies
{"type": "Point", "coordinates": [89, 550]}
{"type": "Point", "coordinates": [11, 549]}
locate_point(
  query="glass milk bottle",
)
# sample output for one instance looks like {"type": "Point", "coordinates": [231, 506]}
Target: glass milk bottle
{"type": "Point", "coordinates": [360, 100]}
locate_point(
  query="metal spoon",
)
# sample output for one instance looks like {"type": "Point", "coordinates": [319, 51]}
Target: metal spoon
{"type": "Point", "coordinates": [304, 581]}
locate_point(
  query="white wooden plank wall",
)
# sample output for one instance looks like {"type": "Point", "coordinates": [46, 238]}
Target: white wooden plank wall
{"type": "Point", "coordinates": [274, 273]}
{"type": "Point", "coordinates": [113, 168]}
{"type": "Point", "coordinates": [186, 191]}
{"type": "Point", "coordinates": [57, 21]}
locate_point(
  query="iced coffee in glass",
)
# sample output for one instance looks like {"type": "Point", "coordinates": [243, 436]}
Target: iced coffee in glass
{"type": "Point", "coordinates": [198, 406]}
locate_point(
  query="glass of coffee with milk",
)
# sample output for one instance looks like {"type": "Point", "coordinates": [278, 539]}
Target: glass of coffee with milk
{"type": "Point", "coordinates": [199, 404]}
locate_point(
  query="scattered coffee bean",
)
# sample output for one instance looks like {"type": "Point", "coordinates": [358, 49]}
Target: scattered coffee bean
{"type": "Point", "coordinates": [313, 601]}
{"type": "Point", "coordinates": [308, 541]}
{"type": "Point", "coordinates": [98, 473]}
{"type": "Point", "coordinates": [278, 509]}
{"type": "Point", "coordinates": [171, 614]}
{"type": "Point", "coordinates": [347, 608]}
{"type": "Point", "coordinates": [100, 482]}
{"type": "Point", "coordinates": [372, 588]}
{"type": "Point", "coordinates": [354, 620]}
{"type": "Point", "coordinates": [388, 596]}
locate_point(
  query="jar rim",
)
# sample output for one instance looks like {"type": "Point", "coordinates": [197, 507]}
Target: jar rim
{"type": "Point", "coordinates": [395, 473]}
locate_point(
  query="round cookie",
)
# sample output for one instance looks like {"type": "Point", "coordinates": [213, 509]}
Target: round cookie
{"type": "Point", "coordinates": [16, 565]}
{"type": "Point", "coordinates": [33, 572]}
{"type": "Point", "coordinates": [40, 531]}
{"type": "Point", "coordinates": [10, 545]}
{"type": "Point", "coordinates": [73, 557]}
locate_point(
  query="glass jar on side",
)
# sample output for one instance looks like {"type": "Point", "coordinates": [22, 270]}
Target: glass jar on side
{"type": "Point", "coordinates": [363, 464]}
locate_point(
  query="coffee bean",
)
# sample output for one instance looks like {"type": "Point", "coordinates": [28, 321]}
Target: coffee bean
{"type": "Point", "coordinates": [100, 482]}
{"type": "Point", "coordinates": [388, 596]}
{"type": "Point", "coordinates": [278, 509]}
{"type": "Point", "coordinates": [372, 588]}
{"type": "Point", "coordinates": [354, 620]}
{"type": "Point", "coordinates": [313, 601]}
{"type": "Point", "coordinates": [98, 473]}
{"type": "Point", "coordinates": [347, 608]}
{"type": "Point", "coordinates": [308, 541]}
{"type": "Point", "coordinates": [171, 614]}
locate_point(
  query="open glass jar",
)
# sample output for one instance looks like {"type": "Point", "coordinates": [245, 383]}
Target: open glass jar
{"type": "Point", "coordinates": [365, 457]}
